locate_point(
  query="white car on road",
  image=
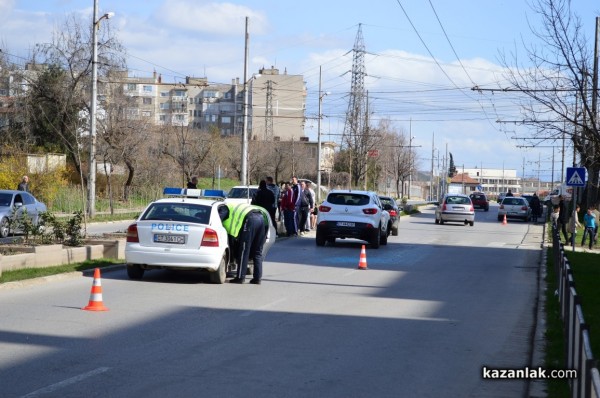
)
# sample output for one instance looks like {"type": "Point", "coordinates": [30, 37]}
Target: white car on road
{"type": "Point", "coordinates": [183, 232]}
{"type": "Point", "coordinates": [352, 214]}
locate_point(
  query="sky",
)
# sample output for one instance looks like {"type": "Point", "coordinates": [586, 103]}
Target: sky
{"type": "Point", "coordinates": [422, 60]}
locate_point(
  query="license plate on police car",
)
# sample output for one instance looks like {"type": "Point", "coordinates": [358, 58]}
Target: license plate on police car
{"type": "Point", "coordinates": [345, 224]}
{"type": "Point", "coordinates": [162, 238]}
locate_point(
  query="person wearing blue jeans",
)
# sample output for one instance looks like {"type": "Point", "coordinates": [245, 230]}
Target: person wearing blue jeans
{"type": "Point", "coordinates": [589, 222]}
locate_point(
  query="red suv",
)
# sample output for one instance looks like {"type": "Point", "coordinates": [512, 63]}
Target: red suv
{"type": "Point", "coordinates": [480, 201]}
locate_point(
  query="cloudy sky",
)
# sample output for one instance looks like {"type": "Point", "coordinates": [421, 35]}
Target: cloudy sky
{"type": "Point", "coordinates": [423, 58]}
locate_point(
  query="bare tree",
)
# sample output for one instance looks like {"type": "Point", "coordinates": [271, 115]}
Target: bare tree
{"type": "Point", "coordinates": [189, 148]}
{"type": "Point", "coordinates": [558, 83]}
{"type": "Point", "coordinates": [123, 133]}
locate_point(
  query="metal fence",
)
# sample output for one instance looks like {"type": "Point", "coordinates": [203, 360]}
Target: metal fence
{"type": "Point", "coordinates": [578, 348]}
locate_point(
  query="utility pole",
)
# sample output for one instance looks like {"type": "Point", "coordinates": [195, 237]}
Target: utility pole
{"type": "Point", "coordinates": [269, 112]}
{"type": "Point", "coordinates": [432, 155]}
{"type": "Point", "coordinates": [244, 166]}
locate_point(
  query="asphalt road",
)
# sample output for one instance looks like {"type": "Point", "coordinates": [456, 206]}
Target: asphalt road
{"type": "Point", "coordinates": [435, 305]}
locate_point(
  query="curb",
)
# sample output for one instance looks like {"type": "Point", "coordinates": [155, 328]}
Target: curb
{"type": "Point", "coordinates": [56, 277]}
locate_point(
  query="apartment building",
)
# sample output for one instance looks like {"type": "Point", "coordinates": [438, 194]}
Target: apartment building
{"type": "Point", "coordinates": [275, 108]}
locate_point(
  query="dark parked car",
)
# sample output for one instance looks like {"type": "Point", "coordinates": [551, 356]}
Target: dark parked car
{"type": "Point", "coordinates": [391, 206]}
{"type": "Point", "coordinates": [480, 201]}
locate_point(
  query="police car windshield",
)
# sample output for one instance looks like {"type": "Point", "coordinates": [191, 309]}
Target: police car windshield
{"type": "Point", "coordinates": [183, 212]}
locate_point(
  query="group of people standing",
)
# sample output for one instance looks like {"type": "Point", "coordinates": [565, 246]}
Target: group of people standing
{"type": "Point", "coordinates": [295, 201]}
{"type": "Point", "coordinates": [568, 223]}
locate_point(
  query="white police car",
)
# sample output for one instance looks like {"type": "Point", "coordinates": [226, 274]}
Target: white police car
{"type": "Point", "coordinates": [183, 232]}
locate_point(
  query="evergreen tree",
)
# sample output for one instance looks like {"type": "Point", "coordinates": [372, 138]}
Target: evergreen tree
{"type": "Point", "coordinates": [451, 167]}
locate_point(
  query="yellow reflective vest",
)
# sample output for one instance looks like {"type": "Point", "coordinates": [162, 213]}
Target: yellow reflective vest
{"type": "Point", "coordinates": [237, 215]}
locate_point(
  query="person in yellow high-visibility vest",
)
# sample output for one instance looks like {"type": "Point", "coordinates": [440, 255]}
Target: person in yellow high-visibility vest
{"type": "Point", "coordinates": [248, 226]}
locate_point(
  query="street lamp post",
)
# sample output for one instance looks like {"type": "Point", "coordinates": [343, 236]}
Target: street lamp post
{"type": "Point", "coordinates": [92, 176]}
{"type": "Point", "coordinates": [321, 95]}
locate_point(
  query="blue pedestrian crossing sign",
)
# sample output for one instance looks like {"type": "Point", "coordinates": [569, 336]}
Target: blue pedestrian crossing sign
{"type": "Point", "coordinates": [576, 176]}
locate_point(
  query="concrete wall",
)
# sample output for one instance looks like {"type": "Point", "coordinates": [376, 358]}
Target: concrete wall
{"type": "Point", "coordinates": [53, 255]}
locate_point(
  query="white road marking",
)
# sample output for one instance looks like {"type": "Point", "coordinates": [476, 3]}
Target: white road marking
{"type": "Point", "coordinates": [67, 382]}
{"type": "Point", "coordinates": [248, 313]}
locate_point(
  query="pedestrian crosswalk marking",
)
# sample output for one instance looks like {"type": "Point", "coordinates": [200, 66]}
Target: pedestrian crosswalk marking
{"type": "Point", "coordinates": [575, 179]}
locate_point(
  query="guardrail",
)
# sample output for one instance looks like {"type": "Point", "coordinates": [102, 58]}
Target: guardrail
{"type": "Point", "coordinates": [577, 338]}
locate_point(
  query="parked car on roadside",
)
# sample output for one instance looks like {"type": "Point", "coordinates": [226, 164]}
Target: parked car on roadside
{"type": "Point", "coordinates": [391, 206]}
{"type": "Point", "coordinates": [14, 206]}
{"type": "Point", "coordinates": [480, 201]}
{"type": "Point", "coordinates": [455, 208]}
{"type": "Point", "coordinates": [514, 207]}
{"type": "Point", "coordinates": [352, 214]}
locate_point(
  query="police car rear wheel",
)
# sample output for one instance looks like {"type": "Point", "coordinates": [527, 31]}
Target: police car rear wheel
{"type": "Point", "coordinates": [220, 274]}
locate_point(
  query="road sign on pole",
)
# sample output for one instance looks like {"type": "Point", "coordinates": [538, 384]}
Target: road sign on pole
{"type": "Point", "coordinates": [576, 176]}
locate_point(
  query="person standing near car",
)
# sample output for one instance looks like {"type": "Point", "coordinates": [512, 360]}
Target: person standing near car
{"type": "Point", "coordinates": [264, 198]}
{"type": "Point", "coordinates": [306, 205]}
{"type": "Point", "coordinates": [248, 226]}
{"type": "Point", "coordinates": [288, 207]}
{"type": "Point", "coordinates": [276, 193]}
{"type": "Point", "coordinates": [536, 207]}
{"type": "Point", "coordinates": [24, 184]}
{"type": "Point", "coordinates": [193, 183]}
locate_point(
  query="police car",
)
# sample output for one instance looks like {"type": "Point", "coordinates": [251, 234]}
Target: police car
{"type": "Point", "coordinates": [184, 232]}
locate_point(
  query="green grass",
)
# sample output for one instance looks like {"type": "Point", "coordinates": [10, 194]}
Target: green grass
{"type": "Point", "coordinates": [586, 273]}
{"type": "Point", "coordinates": [30, 273]}
{"type": "Point", "coordinates": [555, 338]}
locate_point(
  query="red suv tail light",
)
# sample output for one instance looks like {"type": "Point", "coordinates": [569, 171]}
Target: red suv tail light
{"type": "Point", "coordinates": [393, 213]}
{"type": "Point", "coordinates": [472, 208]}
{"type": "Point", "coordinates": [370, 211]}
{"type": "Point", "coordinates": [324, 208]}
{"type": "Point", "coordinates": [524, 208]}
{"type": "Point", "coordinates": [132, 234]}
{"type": "Point", "coordinates": [210, 238]}
{"type": "Point", "coordinates": [444, 207]}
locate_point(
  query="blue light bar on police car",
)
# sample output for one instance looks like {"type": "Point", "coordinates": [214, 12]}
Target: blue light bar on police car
{"type": "Point", "coordinates": [173, 191]}
{"type": "Point", "coordinates": [193, 193]}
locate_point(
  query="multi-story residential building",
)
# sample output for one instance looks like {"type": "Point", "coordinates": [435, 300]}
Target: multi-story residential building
{"type": "Point", "coordinates": [275, 107]}
{"type": "Point", "coordinates": [278, 102]}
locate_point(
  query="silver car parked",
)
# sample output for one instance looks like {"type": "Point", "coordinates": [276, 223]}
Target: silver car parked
{"type": "Point", "coordinates": [514, 207]}
{"type": "Point", "coordinates": [13, 207]}
{"type": "Point", "coordinates": [455, 208]}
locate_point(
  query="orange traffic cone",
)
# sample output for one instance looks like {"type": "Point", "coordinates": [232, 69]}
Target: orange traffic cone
{"type": "Point", "coordinates": [95, 303]}
{"type": "Point", "coordinates": [362, 263]}
{"type": "Point", "coordinates": [504, 221]}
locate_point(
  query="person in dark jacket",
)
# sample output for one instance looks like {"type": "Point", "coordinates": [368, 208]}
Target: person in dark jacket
{"type": "Point", "coordinates": [563, 217]}
{"type": "Point", "coordinates": [24, 184]}
{"type": "Point", "coordinates": [276, 193]}
{"type": "Point", "coordinates": [263, 197]}
{"type": "Point", "coordinates": [536, 207]}
{"type": "Point", "coordinates": [193, 183]}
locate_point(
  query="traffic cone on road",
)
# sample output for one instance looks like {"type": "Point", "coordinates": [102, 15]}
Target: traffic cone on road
{"type": "Point", "coordinates": [362, 263]}
{"type": "Point", "coordinates": [504, 221]}
{"type": "Point", "coordinates": [95, 303]}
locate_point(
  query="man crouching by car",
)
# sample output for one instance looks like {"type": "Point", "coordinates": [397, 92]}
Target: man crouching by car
{"type": "Point", "coordinates": [248, 226]}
